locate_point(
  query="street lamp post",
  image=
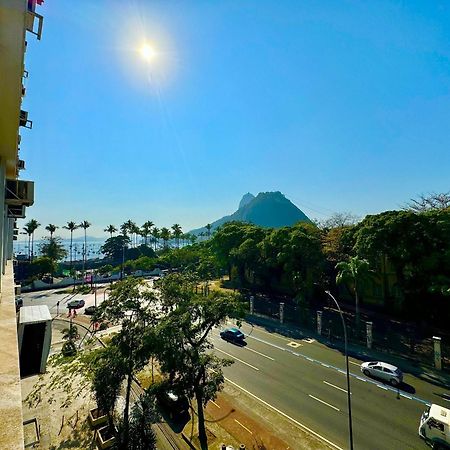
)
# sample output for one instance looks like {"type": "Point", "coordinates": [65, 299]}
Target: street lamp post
{"type": "Point", "coordinates": [350, 428]}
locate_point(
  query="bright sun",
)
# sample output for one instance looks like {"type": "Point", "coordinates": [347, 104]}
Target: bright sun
{"type": "Point", "coordinates": [148, 52]}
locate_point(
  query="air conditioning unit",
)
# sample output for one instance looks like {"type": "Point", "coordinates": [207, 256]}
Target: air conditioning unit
{"type": "Point", "coordinates": [19, 192]}
{"type": "Point", "coordinates": [23, 120]}
{"type": "Point", "coordinates": [20, 164]}
{"type": "Point", "coordinates": [16, 211]}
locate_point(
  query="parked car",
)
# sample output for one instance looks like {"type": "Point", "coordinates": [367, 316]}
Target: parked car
{"type": "Point", "coordinates": [233, 335]}
{"type": "Point", "coordinates": [76, 304]}
{"type": "Point", "coordinates": [176, 405]}
{"type": "Point", "coordinates": [383, 371]}
{"type": "Point", "coordinates": [90, 310]}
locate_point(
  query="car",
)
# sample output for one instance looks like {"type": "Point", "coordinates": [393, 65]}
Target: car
{"type": "Point", "coordinates": [233, 335]}
{"type": "Point", "coordinates": [76, 304]}
{"type": "Point", "coordinates": [90, 310]}
{"type": "Point", "coordinates": [176, 405]}
{"type": "Point", "coordinates": [383, 371]}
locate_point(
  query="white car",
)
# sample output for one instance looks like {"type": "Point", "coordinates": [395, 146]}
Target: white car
{"type": "Point", "coordinates": [383, 371]}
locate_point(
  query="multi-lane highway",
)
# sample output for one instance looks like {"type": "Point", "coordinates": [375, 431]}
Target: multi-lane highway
{"type": "Point", "coordinates": [306, 382]}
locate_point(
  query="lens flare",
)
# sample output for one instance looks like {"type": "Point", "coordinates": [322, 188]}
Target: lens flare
{"type": "Point", "coordinates": [148, 52]}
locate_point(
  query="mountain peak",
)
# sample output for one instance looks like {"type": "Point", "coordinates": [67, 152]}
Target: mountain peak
{"type": "Point", "coordinates": [267, 209]}
{"type": "Point", "coordinates": [246, 199]}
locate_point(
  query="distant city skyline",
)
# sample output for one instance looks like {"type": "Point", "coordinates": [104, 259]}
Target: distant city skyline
{"type": "Point", "coordinates": [171, 111]}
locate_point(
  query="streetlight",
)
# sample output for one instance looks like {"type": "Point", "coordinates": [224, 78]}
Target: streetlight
{"type": "Point", "coordinates": [350, 428]}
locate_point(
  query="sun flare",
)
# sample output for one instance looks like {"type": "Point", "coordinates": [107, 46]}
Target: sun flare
{"type": "Point", "coordinates": [148, 52]}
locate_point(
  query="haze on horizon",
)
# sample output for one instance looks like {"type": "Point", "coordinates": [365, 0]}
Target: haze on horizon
{"type": "Point", "coordinates": [342, 106]}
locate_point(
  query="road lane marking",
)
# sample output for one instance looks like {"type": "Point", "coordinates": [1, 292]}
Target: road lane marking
{"type": "Point", "coordinates": [336, 387]}
{"type": "Point", "coordinates": [406, 396]}
{"type": "Point", "coordinates": [356, 364]}
{"type": "Point", "coordinates": [243, 426]}
{"type": "Point", "coordinates": [237, 359]}
{"type": "Point", "coordinates": [296, 422]}
{"type": "Point", "coordinates": [259, 353]}
{"type": "Point", "coordinates": [325, 403]}
{"type": "Point", "coordinates": [215, 404]}
{"type": "Point", "coordinates": [382, 387]}
{"type": "Point", "coordinates": [343, 372]}
{"type": "Point", "coordinates": [294, 344]}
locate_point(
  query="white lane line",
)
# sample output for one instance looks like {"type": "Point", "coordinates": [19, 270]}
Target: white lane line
{"type": "Point", "coordinates": [296, 422]}
{"type": "Point", "coordinates": [355, 364]}
{"type": "Point", "coordinates": [243, 426]}
{"type": "Point", "coordinates": [237, 359]}
{"type": "Point", "coordinates": [259, 353]}
{"type": "Point", "coordinates": [325, 403]}
{"type": "Point", "coordinates": [406, 396]}
{"type": "Point", "coordinates": [382, 387]}
{"type": "Point", "coordinates": [215, 404]}
{"type": "Point", "coordinates": [336, 387]}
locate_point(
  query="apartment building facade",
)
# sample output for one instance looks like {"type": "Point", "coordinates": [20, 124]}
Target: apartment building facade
{"type": "Point", "coordinates": [19, 21]}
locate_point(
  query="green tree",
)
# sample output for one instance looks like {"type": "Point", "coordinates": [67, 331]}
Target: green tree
{"type": "Point", "coordinates": [29, 228]}
{"type": "Point", "coordinates": [114, 247]}
{"type": "Point", "coordinates": [85, 225]}
{"type": "Point", "coordinates": [356, 272]}
{"type": "Point", "coordinates": [51, 229]}
{"type": "Point", "coordinates": [165, 236]}
{"type": "Point", "coordinates": [146, 230]}
{"type": "Point", "coordinates": [53, 249]}
{"type": "Point", "coordinates": [155, 235]}
{"type": "Point", "coordinates": [208, 227]}
{"type": "Point", "coordinates": [184, 345]}
{"type": "Point", "coordinates": [71, 226]}
{"type": "Point", "coordinates": [111, 229]}
{"type": "Point", "coordinates": [177, 232]}
{"type": "Point", "coordinates": [129, 305]}
{"type": "Point", "coordinates": [42, 266]}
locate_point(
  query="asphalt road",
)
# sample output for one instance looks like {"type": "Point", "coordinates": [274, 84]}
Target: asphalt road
{"type": "Point", "coordinates": [306, 381]}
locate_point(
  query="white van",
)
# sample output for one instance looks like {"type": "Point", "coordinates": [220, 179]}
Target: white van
{"type": "Point", "coordinates": [435, 425]}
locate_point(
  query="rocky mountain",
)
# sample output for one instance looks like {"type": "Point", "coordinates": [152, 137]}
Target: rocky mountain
{"type": "Point", "coordinates": [267, 209]}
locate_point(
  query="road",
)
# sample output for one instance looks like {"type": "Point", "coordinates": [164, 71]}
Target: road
{"type": "Point", "coordinates": [306, 381]}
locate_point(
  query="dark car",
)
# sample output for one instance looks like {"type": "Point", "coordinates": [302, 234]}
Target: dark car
{"type": "Point", "coordinates": [75, 304]}
{"type": "Point", "coordinates": [175, 405]}
{"type": "Point", "coordinates": [90, 310]}
{"type": "Point", "coordinates": [233, 335]}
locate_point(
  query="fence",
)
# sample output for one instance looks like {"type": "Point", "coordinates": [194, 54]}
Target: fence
{"type": "Point", "coordinates": [396, 338]}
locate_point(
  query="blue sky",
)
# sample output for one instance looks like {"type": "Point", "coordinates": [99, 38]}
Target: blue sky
{"type": "Point", "coordinates": [341, 105]}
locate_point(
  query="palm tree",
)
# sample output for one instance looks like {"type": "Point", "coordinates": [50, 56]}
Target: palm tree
{"type": "Point", "coordinates": [128, 227]}
{"type": "Point", "coordinates": [177, 233]}
{"type": "Point", "coordinates": [85, 225]}
{"type": "Point", "coordinates": [27, 230]}
{"type": "Point", "coordinates": [136, 232]}
{"type": "Point", "coordinates": [354, 272]}
{"type": "Point", "coordinates": [30, 227]}
{"type": "Point", "coordinates": [146, 229]}
{"type": "Point", "coordinates": [165, 235]}
{"type": "Point", "coordinates": [111, 229]}
{"type": "Point", "coordinates": [51, 229]}
{"type": "Point", "coordinates": [155, 235]}
{"type": "Point", "coordinates": [208, 227]}
{"type": "Point", "coordinates": [71, 226]}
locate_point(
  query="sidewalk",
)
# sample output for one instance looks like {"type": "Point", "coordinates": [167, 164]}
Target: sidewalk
{"type": "Point", "coordinates": [422, 371]}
